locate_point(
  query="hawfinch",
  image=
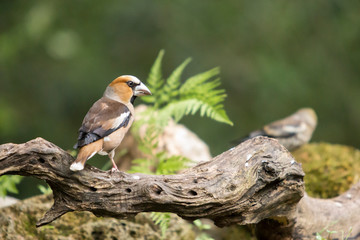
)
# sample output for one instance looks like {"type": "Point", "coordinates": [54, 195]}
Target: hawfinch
{"type": "Point", "coordinates": [292, 131]}
{"type": "Point", "coordinates": [108, 120]}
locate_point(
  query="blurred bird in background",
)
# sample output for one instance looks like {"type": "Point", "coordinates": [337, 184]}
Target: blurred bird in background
{"type": "Point", "coordinates": [292, 131]}
{"type": "Point", "coordinates": [108, 120]}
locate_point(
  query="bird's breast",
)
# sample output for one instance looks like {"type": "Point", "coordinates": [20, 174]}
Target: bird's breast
{"type": "Point", "coordinates": [113, 140]}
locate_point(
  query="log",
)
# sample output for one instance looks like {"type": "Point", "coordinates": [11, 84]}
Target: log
{"type": "Point", "coordinates": [340, 214]}
{"type": "Point", "coordinates": [258, 182]}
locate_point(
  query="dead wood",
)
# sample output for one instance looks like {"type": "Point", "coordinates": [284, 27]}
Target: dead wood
{"type": "Point", "coordinates": [258, 182]}
{"type": "Point", "coordinates": [254, 181]}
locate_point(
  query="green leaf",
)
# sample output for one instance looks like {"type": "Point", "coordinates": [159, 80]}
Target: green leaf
{"type": "Point", "coordinates": [178, 109]}
{"type": "Point", "coordinates": [198, 79]}
{"type": "Point", "coordinates": [8, 184]}
{"type": "Point", "coordinates": [171, 165]}
{"type": "Point", "coordinates": [161, 219]}
{"type": "Point", "coordinates": [141, 165]}
{"type": "Point", "coordinates": [155, 80]}
{"type": "Point", "coordinates": [209, 99]}
{"type": "Point", "coordinates": [200, 225]}
{"type": "Point", "coordinates": [171, 100]}
{"type": "Point", "coordinates": [2, 191]}
{"type": "Point", "coordinates": [45, 190]}
{"type": "Point", "coordinates": [11, 187]}
{"type": "Point", "coordinates": [144, 149]}
{"type": "Point", "coordinates": [170, 89]}
{"type": "Point", "coordinates": [197, 223]}
{"type": "Point", "coordinates": [318, 237]}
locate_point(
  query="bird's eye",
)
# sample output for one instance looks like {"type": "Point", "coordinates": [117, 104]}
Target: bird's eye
{"type": "Point", "coordinates": [130, 83]}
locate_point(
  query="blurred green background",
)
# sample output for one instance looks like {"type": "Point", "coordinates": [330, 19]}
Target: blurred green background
{"type": "Point", "coordinates": [57, 57]}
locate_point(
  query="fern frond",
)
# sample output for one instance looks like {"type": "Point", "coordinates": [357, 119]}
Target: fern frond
{"type": "Point", "coordinates": [170, 165]}
{"type": "Point", "coordinates": [8, 184]}
{"type": "Point", "coordinates": [207, 107]}
{"type": "Point", "coordinates": [197, 80]}
{"type": "Point", "coordinates": [170, 100]}
{"type": "Point", "coordinates": [141, 165]}
{"type": "Point", "coordinates": [209, 100]}
{"type": "Point", "coordinates": [170, 89]}
{"type": "Point", "coordinates": [44, 190]}
{"type": "Point", "coordinates": [155, 80]}
{"type": "Point", "coordinates": [161, 219]}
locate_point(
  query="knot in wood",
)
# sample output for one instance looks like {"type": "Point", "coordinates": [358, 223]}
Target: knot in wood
{"type": "Point", "coordinates": [156, 189]}
{"type": "Point", "coordinates": [269, 168]}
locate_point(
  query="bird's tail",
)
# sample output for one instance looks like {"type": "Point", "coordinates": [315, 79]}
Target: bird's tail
{"type": "Point", "coordinates": [85, 153]}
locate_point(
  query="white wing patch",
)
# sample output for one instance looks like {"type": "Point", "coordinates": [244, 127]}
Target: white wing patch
{"type": "Point", "coordinates": [295, 129]}
{"type": "Point", "coordinates": [91, 155]}
{"type": "Point", "coordinates": [119, 120]}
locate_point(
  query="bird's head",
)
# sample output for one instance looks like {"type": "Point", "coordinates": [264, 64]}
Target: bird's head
{"type": "Point", "coordinates": [126, 88]}
{"type": "Point", "coordinates": [309, 116]}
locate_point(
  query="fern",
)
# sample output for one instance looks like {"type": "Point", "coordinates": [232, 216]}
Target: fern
{"type": "Point", "coordinates": [179, 109]}
{"type": "Point", "coordinates": [170, 165]}
{"type": "Point", "coordinates": [158, 162]}
{"type": "Point", "coordinates": [155, 80]}
{"type": "Point", "coordinates": [170, 89]}
{"type": "Point", "coordinates": [44, 190]}
{"type": "Point", "coordinates": [201, 226]}
{"type": "Point", "coordinates": [8, 184]}
{"type": "Point", "coordinates": [195, 82]}
{"type": "Point", "coordinates": [173, 100]}
{"type": "Point", "coordinates": [197, 93]}
{"type": "Point", "coordinates": [161, 219]}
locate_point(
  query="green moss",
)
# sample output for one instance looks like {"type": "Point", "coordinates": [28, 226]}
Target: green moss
{"type": "Point", "coordinates": [29, 225]}
{"type": "Point", "coordinates": [330, 169]}
{"type": "Point", "coordinates": [239, 232]}
{"type": "Point", "coordinates": [82, 225]}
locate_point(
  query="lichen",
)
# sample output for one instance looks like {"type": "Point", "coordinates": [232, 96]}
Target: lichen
{"type": "Point", "coordinates": [330, 169]}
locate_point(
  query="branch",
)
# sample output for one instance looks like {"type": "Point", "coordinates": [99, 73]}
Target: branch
{"type": "Point", "coordinates": [257, 180]}
{"type": "Point", "coordinates": [340, 213]}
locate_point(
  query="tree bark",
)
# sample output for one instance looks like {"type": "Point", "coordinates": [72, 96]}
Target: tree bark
{"type": "Point", "coordinates": [258, 182]}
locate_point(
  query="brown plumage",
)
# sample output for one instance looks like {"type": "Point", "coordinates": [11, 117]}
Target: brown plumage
{"type": "Point", "coordinates": [292, 131]}
{"type": "Point", "coordinates": [108, 120]}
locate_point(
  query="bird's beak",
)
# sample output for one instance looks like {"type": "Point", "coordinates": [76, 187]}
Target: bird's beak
{"type": "Point", "coordinates": [141, 90]}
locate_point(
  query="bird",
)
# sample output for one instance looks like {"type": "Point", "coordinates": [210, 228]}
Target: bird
{"type": "Point", "coordinates": [292, 131]}
{"type": "Point", "coordinates": [108, 120]}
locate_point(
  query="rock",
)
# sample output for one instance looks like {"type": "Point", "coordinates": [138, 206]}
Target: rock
{"type": "Point", "coordinates": [179, 140]}
{"type": "Point", "coordinates": [7, 201]}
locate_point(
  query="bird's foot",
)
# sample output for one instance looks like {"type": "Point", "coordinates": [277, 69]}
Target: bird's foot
{"type": "Point", "coordinates": [114, 169]}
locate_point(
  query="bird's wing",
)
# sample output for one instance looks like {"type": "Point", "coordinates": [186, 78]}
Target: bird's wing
{"type": "Point", "coordinates": [103, 118]}
{"type": "Point", "coordinates": [284, 128]}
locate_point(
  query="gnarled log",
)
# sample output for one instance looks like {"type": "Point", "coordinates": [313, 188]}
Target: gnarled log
{"type": "Point", "coordinates": [256, 180]}
{"type": "Point", "coordinates": [340, 215]}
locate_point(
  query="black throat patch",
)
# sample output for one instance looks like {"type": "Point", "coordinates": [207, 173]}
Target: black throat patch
{"type": "Point", "coordinates": [132, 100]}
